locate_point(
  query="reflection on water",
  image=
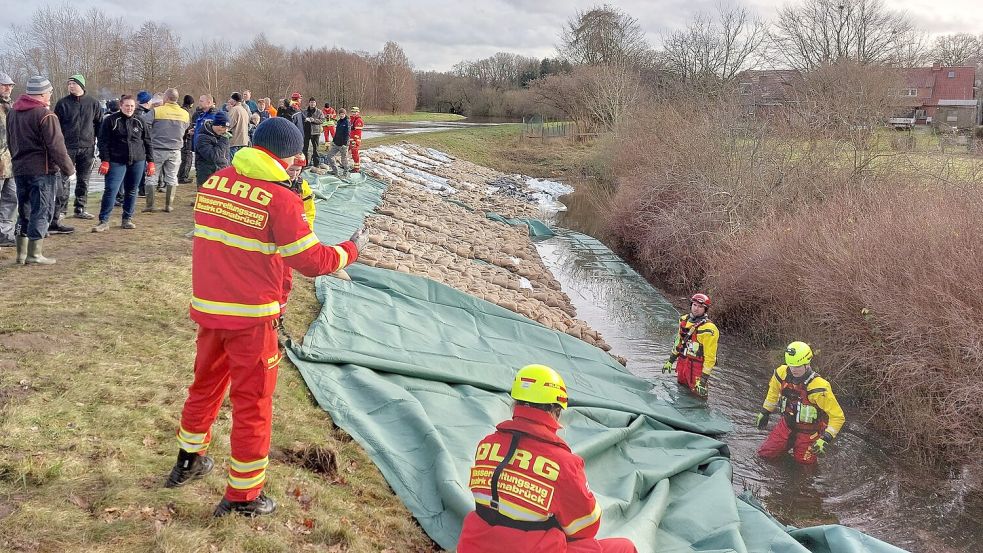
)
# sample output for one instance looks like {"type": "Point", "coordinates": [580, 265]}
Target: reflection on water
{"type": "Point", "coordinates": [374, 130]}
{"type": "Point", "coordinates": [858, 483]}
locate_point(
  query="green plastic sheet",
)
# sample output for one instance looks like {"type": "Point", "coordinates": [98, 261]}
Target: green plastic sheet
{"type": "Point", "coordinates": [538, 230]}
{"type": "Point", "coordinates": [418, 373]}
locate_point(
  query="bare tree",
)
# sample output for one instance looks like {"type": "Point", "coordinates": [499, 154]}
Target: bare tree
{"type": "Point", "coordinates": [958, 49]}
{"type": "Point", "coordinates": [604, 35]}
{"type": "Point", "coordinates": [397, 86]}
{"type": "Point", "coordinates": [712, 50]}
{"type": "Point", "coordinates": [155, 56]}
{"type": "Point", "coordinates": [820, 32]}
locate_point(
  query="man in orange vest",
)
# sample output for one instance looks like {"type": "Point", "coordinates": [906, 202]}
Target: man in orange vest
{"type": "Point", "coordinates": [248, 224]}
{"type": "Point", "coordinates": [695, 351]}
{"type": "Point", "coordinates": [330, 120]}
{"type": "Point", "coordinates": [356, 140]}
{"type": "Point", "coordinates": [811, 416]}
{"type": "Point", "coordinates": [530, 491]}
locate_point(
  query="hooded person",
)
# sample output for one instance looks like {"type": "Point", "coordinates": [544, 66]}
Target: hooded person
{"type": "Point", "coordinates": [37, 150]}
{"type": "Point", "coordinates": [244, 234]}
{"type": "Point", "coordinates": [212, 147]}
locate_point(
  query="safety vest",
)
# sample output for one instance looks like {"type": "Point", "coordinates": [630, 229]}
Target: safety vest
{"type": "Point", "coordinates": [796, 406]}
{"type": "Point", "coordinates": [330, 117]}
{"type": "Point", "coordinates": [686, 343]}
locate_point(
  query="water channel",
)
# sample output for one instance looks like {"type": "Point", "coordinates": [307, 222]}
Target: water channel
{"type": "Point", "coordinates": [860, 482]}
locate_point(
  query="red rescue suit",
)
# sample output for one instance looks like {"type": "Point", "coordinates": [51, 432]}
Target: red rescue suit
{"type": "Point", "coordinates": [330, 119]}
{"type": "Point", "coordinates": [539, 501]}
{"type": "Point", "coordinates": [248, 224]}
{"type": "Point", "coordinates": [356, 140]}
{"type": "Point", "coordinates": [808, 408]}
{"type": "Point", "coordinates": [695, 348]}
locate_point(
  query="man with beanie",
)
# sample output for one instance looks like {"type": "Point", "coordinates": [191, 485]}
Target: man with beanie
{"type": "Point", "coordinates": [238, 124]}
{"type": "Point", "coordinates": [244, 233]}
{"type": "Point", "coordinates": [187, 149]}
{"type": "Point", "coordinates": [143, 111]}
{"type": "Point", "coordinates": [8, 188]}
{"type": "Point", "coordinates": [313, 119]}
{"type": "Point", "coordinates": [80, 117]}
{"type": "Point", "coordinates": [212, 147]}
{"type": "Point", "coordinates": [37, 150]}
{"type": "Point", "coordinates": [167, 139]}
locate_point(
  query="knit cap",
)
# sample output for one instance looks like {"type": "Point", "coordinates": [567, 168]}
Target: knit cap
{"type": "Point", "coordinates": [38, 85]}
{"type": "Point", "coordinates": [221, 119]}
{"type": "Point", "coordinates": [280, 136]}
{"type": "Point", "coordinates": [143, 97]}
{"type": "Point", "coordinates": [78, 79]}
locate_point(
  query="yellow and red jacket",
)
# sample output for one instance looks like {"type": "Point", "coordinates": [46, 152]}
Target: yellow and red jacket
{"type": "Point", "coordinates": [357, 125]}
{"type": "Point", "coordinates": [542, 495]}
{"type": "Point", "coordinates": [248, 224]}
{"type": "Point", "coordinates": [697, 340]}
{"type": "Point", "coordinates": [807, 405]}
{"type": "Point", "coordinates": [330, 117]}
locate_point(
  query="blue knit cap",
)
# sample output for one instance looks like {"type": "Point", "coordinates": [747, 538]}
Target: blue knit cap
{"type": "Point", "coordinates": [221, 119]}
{"type": "Point", "coordinates": [280, 136]}
{"type": "Point", "coordinates": [143, 97]}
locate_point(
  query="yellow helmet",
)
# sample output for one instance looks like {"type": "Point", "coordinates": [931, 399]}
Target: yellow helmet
{"type": "Point", "coordinates": [539, 384]}
{"type": "Point", "coordinates": [354, 109]}
{"type": "Point", "coordinates": [798, 354]}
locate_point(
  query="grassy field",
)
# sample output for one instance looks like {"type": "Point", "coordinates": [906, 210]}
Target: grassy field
{"type": "Point", "coordinates": [409, 117]}
{"type": "Point", "coordinates": [96, 353]}
{"type": "Point", "coordinates": [503, 148]}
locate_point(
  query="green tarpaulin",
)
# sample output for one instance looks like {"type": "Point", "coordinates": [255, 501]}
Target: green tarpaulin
{"type": "Point", "coordinates": [537, 229]}
{"type": "Point", "coordinates": [418, 372]}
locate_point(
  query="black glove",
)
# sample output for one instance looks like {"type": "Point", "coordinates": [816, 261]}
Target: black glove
{"type": "Point", "coordinates": [761, 421]}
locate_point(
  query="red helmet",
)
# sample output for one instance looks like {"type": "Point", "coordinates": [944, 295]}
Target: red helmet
{"type": "Point", "coordinates": [701, 299]}
{"type": "Point", "coordinates": [295, 96]}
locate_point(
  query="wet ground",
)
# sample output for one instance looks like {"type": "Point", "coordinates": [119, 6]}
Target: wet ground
{"type": "Point", "coordinates": [859, 483]}
{"type": "Point", "coordinates": [374, 130]}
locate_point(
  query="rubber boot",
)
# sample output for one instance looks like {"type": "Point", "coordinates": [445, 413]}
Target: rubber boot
{"type": "Point", "coordinates": [189, 466]}
{"type": "Point", "coordinates": [260, 506]}
{"type": "Point", "coordinates": [21, 250]}
{"type": "Point", "coordinates": [169, 198]}
{"type": "Point", "coordinates": [151, 193]}
{"type": "Point", "coordinates": [35, 253]}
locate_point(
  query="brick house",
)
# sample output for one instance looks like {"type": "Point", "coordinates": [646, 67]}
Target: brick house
{"type": "Point", "coordinates": [942, 95]}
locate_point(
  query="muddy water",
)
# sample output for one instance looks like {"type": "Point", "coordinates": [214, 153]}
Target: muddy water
{"type": "Point", "coordinates": [859, 483]}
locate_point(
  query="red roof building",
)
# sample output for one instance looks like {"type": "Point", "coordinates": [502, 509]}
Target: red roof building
{"type": "Point", "coordinates": [942, 95]}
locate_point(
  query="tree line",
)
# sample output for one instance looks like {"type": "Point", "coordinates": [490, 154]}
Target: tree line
{"type": "Point", "coordinates": [116, 57]}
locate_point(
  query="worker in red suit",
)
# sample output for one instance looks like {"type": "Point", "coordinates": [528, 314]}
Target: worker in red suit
{"type": "Point", "coordinates": [248, 224]}
{"type": "Point", "coordinates": [330, 120]}
{"type": "Point", "coordinates": [356, 140]}
{"type": "Point", "coordinates": [530, 491]}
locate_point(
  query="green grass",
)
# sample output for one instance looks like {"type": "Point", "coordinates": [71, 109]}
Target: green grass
{"type": "Point", "coordinates": [503, 148]}
{"type": "Point", "coordinates": [409, 117]}
{"type": "Point", "coordinates": [96, 353]}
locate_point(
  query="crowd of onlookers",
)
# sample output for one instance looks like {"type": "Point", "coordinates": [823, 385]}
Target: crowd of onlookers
{"type": "Point", "coordinates": [146, 144]}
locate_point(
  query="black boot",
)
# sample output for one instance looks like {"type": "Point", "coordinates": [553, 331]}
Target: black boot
{"type": "Point", "coordinates": [189, 466]}
{"type": "Point", "coordinates": [282, 337]}
{"type": "Point", "coordinates": [260, 506]}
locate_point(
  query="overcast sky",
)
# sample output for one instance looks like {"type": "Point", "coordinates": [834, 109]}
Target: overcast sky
{"type": "Point", "coordinates": [436, 34]}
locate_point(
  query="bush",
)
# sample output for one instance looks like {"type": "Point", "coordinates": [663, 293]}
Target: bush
{"type": "Point", "coordinates": [795, 240]}
{"type": "Point", "coordinates": [888, 283]}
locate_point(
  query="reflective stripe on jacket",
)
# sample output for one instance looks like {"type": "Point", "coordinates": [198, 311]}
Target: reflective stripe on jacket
{"type": "Point", "coordinates": [697, 340]}
{"type": "Point", "coordinates": [543, 481]}
{"type": "Point", "coordinates": [248, 223]}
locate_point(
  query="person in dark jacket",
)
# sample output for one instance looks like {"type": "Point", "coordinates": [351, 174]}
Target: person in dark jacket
{"type": "Point", "coordinates": [80, 116]}
{"type": "Point", "coordinates": [124, 148]}
{"type": "Point", "coordinates": [313, 119]}
{"type": "Point", "coordinates": [286, 110]}
{"type": "Point", "coordinates": [187, 150]}
{"type": "Point", "coordinates": [339, 144]}
{"type": "Point", "coordinates": [206, 112]}
{"type": "Point", "coordinates": [37, 151]}
{"type": "Point", "coordinates": [212, 147]}
{"type": "Point", "coordinates": [146, 113]}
